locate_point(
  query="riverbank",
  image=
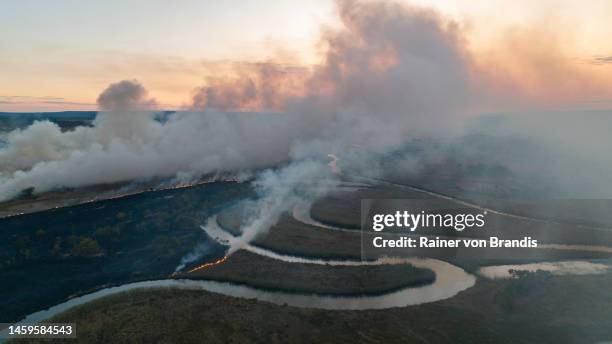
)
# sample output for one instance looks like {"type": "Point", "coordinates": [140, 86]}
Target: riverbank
{"type": "Point", "coordinates": [244, 267]}
{"type": "Point", "coordinates": [537, 309]}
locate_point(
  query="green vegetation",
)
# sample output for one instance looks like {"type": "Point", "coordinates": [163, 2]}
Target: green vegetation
{"type": "Point", "coordinates": [26, 194]}
{"type": "Point", "coordinates": [84, 247]}
{"type": "Point", "coordinates": [522, 283]}
{"type": "Point", "coordinates": [258, 271]}
{"type": "Point", "coordinates": [166, 246]}
{"type": "Point", "coordinates": [292, 237]}
{"type": "Point", "coordinates": [559, 309]}
{"type": "Point", "coordinates": [109, 237]}
{"type": "Point", "coordinates": [343, 209]}
{"type": "Point", "coordinates": [144, 237]}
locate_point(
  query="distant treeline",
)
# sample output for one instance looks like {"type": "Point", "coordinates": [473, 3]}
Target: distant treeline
{"type": "Point", "coordinates": [82, 115]}
{"type": "Point", "coordinates": [66, 120]}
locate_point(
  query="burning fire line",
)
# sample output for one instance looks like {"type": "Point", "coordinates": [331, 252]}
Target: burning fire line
{"type": "Point", "coordinates": [207, 265]}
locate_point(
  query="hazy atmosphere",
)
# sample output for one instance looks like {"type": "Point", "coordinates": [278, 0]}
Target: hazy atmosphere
{"type": "Point", "coordinates": [370, 87]}
{"type": "Point", "coordinates": [223, 149]}
{"type": "Point", "coordinates": [60, 56]}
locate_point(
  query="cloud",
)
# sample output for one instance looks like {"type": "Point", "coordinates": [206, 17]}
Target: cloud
{"type": "Point", "coordinates": [602, 60]}
{"type": "Point", "coordinates": [32, 100]}
{"type": "Point", "coordinates": [61, 102]}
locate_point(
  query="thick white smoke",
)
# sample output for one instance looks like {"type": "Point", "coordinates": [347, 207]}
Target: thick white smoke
{"type": "Point", "coordinates": [391, 74]}
{"type": "Point", "coordinates": [127, 143]}
{"type": "Point", "coordinates": [375, 87]}
{"type": "Point", "coordinates": [195, 254]}
{"type": "Point", "coordinates": [301, 181]}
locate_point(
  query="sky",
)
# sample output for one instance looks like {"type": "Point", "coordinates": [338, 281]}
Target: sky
{"type": "Point", "coordinates": [58, 55]}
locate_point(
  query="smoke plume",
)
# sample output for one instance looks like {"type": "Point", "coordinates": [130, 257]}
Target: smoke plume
{"type": "Point", "coordinates": [391, 75]}
{"type": "Point", "coordinates": [197, 253]}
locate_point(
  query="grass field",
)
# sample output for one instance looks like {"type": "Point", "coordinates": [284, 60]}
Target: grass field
{"type": "Point", "coordinates": [290, 236]}
{"type": "Point", "coordinates": [265, 273]}
{"type": "Point", "coordinates": [533, 309]}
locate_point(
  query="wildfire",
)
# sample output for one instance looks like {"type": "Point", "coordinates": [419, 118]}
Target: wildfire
{"type": "Point", "coordinates": [207, 265]}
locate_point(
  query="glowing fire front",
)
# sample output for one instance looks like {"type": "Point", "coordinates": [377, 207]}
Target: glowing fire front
{"type": "Point", "coordinates": [208, 265]}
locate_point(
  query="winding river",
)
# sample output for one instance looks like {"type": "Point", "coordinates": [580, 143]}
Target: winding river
{"type": "Point", "coordinates": [301, 213]}
{"type": "Point", "coordinates": [450, 280]}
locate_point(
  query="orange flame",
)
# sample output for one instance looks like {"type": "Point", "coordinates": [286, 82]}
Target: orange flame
{"type": "Point", "coordinates": [207, 265]}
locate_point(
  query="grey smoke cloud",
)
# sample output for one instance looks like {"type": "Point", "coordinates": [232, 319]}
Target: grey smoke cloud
{"type": "Point", "coordinates": [374, 87]}
{"type": "Point", "coordinates": [126, 143]}
{"type": "Point", "coordinates": [391, 74]}
{"type": "Point", "coordinates": [124, 96]}
{"type": "Point", "coordinates": [199, 251]}
{"type": "Point", "coordinates": [256, 86]}
{"type": "Point", "coordinates": [302, 181]}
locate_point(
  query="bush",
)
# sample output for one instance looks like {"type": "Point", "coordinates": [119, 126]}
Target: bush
{"type": "Point", "coordinates": [85, 247]}
{"type": "Point", "coordinates": [521, 285]}
{"type": "Point", "coordinates": [27, 193]}
{"type": "Point", "coordinates": [108, 236]}
{"type": "Point", "coordinates": [165, 246]}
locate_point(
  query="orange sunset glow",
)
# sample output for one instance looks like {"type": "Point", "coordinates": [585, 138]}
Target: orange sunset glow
{"type": "Point", "coordinates": [550, 54]}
